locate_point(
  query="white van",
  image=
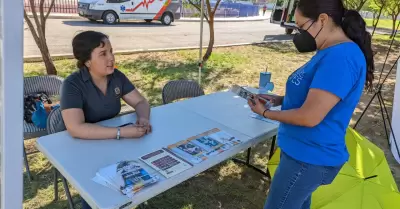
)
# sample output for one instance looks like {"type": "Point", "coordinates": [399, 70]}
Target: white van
{"type": "Point", "coordinates": [112, 11]}
{"type": "Point", "coordinates": [283, 14]}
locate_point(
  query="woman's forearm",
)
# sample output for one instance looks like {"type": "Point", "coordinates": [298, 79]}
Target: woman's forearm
{"type": "Point", "coordinates": [293, 117]}
{"type": "Point", "coordinates": [92, 131]}
{"type": "Point", "coordinates": [143, 109]}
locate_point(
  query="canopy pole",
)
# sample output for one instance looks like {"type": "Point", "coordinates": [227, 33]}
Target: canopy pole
{"type": "Point", "coordinates": [201, 39]}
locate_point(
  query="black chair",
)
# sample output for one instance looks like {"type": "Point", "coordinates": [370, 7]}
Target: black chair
{"type": "Point", "coordinates": [180, 89]}
{"type": "Point", "coordinates": [49, 84]}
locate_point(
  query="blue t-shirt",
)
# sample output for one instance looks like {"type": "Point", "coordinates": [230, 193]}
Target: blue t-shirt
{"type": "Point", "coordinates": [340, 70]}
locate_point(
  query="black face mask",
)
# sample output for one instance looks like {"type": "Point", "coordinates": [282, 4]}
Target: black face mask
{"type": "Point", "coordinates": [304, 41]}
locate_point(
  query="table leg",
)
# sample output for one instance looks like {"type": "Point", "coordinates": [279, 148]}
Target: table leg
{"type": "Point", "coordinates": [66, 188]}
{"type": "Point", "coordinates": [248, 164]}
{"type": "Point", "coordinates": [271, 152]}
{"type": "Point", "coordinates": [55, 184]}
{"type": "Point", "coordinates": [28, 171]}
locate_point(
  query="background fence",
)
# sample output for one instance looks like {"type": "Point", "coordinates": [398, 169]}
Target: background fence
{"type": "Point", "coordinates": [60, 6]}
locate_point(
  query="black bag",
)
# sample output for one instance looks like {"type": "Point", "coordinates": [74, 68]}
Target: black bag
{"type": "Point", "coordinates": [30, 104]}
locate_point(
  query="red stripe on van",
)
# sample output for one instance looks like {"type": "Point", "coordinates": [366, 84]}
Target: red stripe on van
{"type": "Point", "coordinates": [162, 10]}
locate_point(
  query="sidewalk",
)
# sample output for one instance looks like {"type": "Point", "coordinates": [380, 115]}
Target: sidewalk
{"type": "Point", "coordinates": [228, 19]}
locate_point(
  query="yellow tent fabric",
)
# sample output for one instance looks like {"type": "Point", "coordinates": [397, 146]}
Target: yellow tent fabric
{"type": "Point", "coordinates": [364, 182]}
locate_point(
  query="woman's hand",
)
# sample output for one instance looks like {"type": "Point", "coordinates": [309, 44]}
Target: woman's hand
{"type": "Point", "coordinates": [258, 107]}
{"type": "Point", "coordinates": [133, 131]}
{"type": "Point", "coordinates": [274, 99]}
{"type": "Point", "coordinates": [144, 122]}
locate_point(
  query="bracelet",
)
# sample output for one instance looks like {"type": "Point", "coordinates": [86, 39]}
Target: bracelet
{"type": "Point", "coordinates": [118, 133]}
{"type": "Point", "coordinates": [264, 113]}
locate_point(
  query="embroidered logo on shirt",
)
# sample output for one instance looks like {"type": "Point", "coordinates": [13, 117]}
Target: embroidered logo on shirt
{"type": "Point", "coordinates": [117, 91]}
{"type": "Point", "coordinates": [297, 77]}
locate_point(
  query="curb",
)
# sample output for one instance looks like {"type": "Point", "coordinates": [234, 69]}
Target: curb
{"type": "Point", "coordinates": [72, 17]}
{"type": "Point", "coordinates": [224, 20]}
{"type": "Point", "coordinates": [76, 17]}
{"type": "Point", "coordinates": [38, 58]}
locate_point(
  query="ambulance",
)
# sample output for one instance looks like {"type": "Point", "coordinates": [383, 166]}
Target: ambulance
{"type": "Point", "coordinates": [283, 14]}
{"type": "Point", "coordinates": [112, 11]}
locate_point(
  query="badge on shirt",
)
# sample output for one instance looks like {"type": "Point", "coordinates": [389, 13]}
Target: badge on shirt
{"type": "Point", "coordinates": [117, 91]}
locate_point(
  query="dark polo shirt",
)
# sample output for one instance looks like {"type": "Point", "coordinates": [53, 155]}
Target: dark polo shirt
{"type": "Point", "coordinates": [79, 91]}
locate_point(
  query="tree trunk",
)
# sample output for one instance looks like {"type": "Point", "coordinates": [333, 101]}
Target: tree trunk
{"type": "Point", "coordinates": [211, 41]}
{"type": "Point", "coordinates": [48, 61]}
{"type": "Point", "coordinates": [373, 19]}
{"type": "Point", "coordinates": [394, 18]}
{"type": "Point", "coordinates": [39, 34]}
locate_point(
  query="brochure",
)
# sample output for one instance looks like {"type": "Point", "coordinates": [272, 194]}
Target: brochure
{"type": "Point", "coordinates": [127, 177]}
{"type": "Point", "coordinates": [189, 151]}
{"type": "Point", "coordinates": [197, 148]}
{"type": "Point", "coordinates": [165, 162]}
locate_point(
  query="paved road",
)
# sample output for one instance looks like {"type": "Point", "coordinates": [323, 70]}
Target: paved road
{"type": "Point", "coordinates": [138, 35]}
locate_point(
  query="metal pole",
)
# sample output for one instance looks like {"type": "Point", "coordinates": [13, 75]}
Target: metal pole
{"type": "Point", "coordinates": [201, 40]}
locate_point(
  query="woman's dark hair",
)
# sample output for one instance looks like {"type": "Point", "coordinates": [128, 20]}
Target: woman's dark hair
{"type": "Point", "coordinates": [351, 22]}
{"type": "Point", "coordinates": [84, 43]}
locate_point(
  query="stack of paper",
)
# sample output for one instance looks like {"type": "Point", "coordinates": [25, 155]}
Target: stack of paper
{"type": "Point", "coordinates": [165, 162]}
{"type": "Point", "coordinates": [127, 177]}
{"type": "Point", "coordinates": [197, 149]}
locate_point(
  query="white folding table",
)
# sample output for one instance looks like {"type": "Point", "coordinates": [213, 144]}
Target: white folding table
{"type": "Point", "coordinates": [79, 160]}
{"type": "Point", "coordinates": [233, 111]}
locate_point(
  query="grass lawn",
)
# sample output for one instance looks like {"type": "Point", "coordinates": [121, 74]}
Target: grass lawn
{"type": "Point", "coordinates": [227, 185]}
{"type": "Point", "coordinates": [386, 38]}
{"type": "Point", "coordinates": [383, 23]}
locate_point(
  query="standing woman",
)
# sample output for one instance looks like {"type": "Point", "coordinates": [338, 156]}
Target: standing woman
{"type": "Point", "coordinates": [319, 102]}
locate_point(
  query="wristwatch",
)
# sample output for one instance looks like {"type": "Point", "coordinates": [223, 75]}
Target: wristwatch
{"type": "Point", "coordinates": [118, 133]}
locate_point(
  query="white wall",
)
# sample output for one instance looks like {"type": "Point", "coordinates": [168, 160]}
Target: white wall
{"type": "Point", "coordinates": [11, 102]}
{"type": "Point", "coordinates": [396, 117]}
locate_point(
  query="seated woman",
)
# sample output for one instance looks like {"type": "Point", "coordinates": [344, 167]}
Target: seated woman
{"type": "Point", "coordinates": [94, 93]}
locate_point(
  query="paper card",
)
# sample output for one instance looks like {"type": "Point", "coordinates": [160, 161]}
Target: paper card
{"type": "Point", "coordinates": [165, 162]}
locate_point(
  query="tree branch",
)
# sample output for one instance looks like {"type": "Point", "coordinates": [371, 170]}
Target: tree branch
{"type": "Point", "coordinates": [32, 28]}
{"type": "Point", "coordinates": [216, 6]}
{"type": "Point", "coordinates": [39, 30]}
{"type": "Point", "coordinates": [42, 20]}
{"type": "Point", "coordinates": [33, 9]}
{"type": "Point", "coordinates": [198, 8]}
{"type": "Point", "coordinates": [209, 11]}
{"type": "Point", "coordinates": [50, 8]}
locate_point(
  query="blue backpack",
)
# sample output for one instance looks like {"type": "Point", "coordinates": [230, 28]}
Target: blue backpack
{"type": "Point", "coordinates": [39, 116]}
{"type": "Point", "coordinates": [34, 109]}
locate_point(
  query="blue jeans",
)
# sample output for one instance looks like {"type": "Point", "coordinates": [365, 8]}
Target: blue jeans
{"type": "Point", "coordinates": [85, 205]}
{"type": "Point", "coordinates": [295, 181]}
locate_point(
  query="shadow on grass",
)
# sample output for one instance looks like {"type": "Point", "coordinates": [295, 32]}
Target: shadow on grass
{"type": "Point", "coordinates": [42, 179]}
{"type": "Point", "coordinates": [283, 48]}
{"type": "Point", "coordinates": [243, 188]}
{"type": "Point", "coordinates": [63, 203]}
{"type": "Point", "coordinates": [269, 38]}
{"type": "Point", "coordinates": [155, 74]}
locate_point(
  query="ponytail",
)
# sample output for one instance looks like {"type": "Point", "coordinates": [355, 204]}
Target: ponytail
{"type": "Point", "coordinates": [355, 28]}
